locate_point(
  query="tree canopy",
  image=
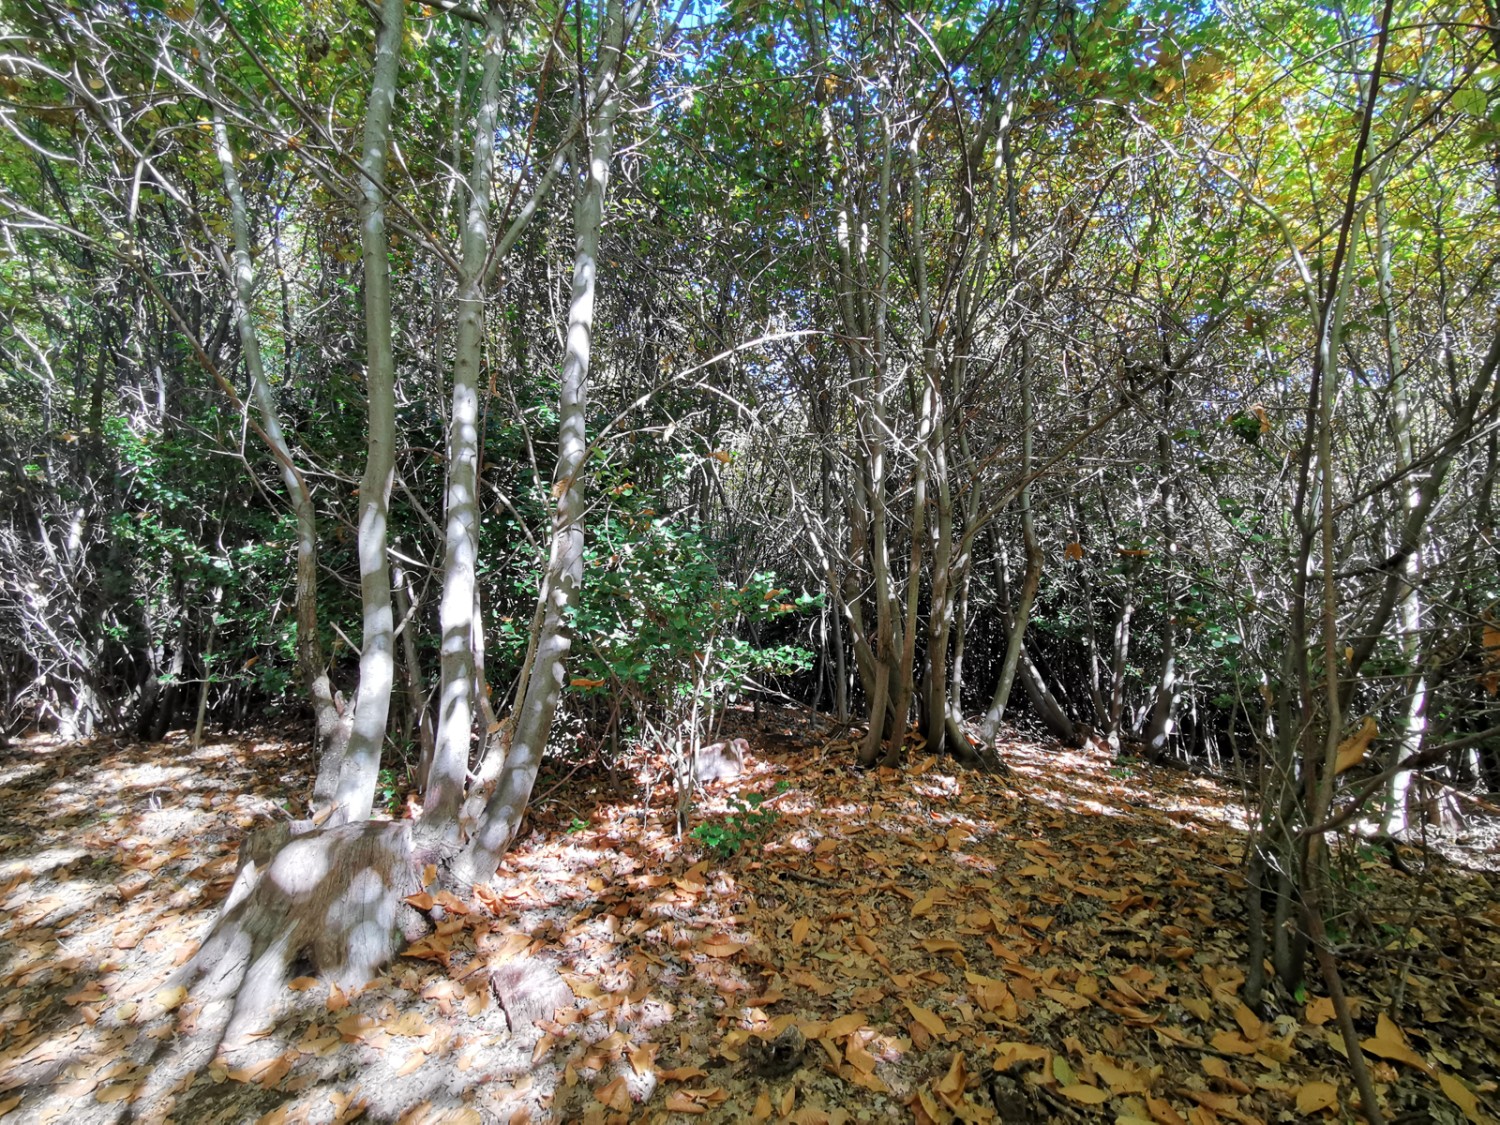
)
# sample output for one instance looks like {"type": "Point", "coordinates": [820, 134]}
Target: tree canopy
{"type": "Point", "coordinates": [473, 382]}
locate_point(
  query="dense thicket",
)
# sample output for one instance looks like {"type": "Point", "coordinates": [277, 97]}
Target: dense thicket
{"type": "Point", "coordinates": [1140, 357]}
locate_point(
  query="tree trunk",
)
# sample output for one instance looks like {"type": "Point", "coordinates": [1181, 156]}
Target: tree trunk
{"type": "Point", "coordinates": [502, 815]}
{"type": "Point", "coordinates": [1031, 580]}
{"type": "Point", "coordinates": [332, 897]}
{"type": "Point", "coordinates": [455, 719]}
{"type": "Point", "coordinates": [358, 772]}
{"type": "Point", "coordinates": [330, 725]}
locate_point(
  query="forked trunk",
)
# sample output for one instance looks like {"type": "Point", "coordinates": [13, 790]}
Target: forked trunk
{"type": "Point", "coordinates": [502, 815]}
{"type": "Point", "coordinates": [329, 898]}
{"type": "Point", "coordinates": [455, 720]}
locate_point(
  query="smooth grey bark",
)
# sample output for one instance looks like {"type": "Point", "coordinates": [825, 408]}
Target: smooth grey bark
{"type": "Point", "coordinates": [502, 815]}
{"type": "Point", "coordinates": [1159, 725]}
{"type": "Point", "coordinates": [331, 726]}
{"type": "Point", "coordinates": [457, 610]}
{"type": "Point", "coordinates": [355, 794]}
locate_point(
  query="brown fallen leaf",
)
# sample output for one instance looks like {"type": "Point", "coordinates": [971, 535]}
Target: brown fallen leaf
{"type": "Point", "coordinates": [616, 1094]}
{"type": "Point", "coordinates": [1389, 1043]}
{"type": "Point", "coordinates": [844, 1025]}
{"type": "Point", "coordinates": [1084, 1094]}
{"type": "Point", "coordinates": [679, 1102]}
{"type": "Point", "coordinates": [681, 1074]}
{"type": "Point", "coordinates": [1313, 1097]}
{"type": "Point", "coordinates": [927, 1018]}
{"type": "Point", "coordinates": [1461, 1096]}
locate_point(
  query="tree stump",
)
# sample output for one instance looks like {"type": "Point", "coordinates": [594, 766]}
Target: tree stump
{"type": "Point", "coordinates": [328, 899]}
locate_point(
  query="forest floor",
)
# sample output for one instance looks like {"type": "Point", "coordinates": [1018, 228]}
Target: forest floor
{"type": "Point", "coordinates": [1065, 945]}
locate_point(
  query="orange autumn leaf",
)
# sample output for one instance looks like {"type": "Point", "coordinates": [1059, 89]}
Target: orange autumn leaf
{"type": "Point", "coordinates": [1388, 1042]}
{"type": "Point", "coordinates": [679, 1102]}
{"type": "Point", "coordinates": [615, 1094]}
{"type": "Point", "coordinates": [722, 948]}
{"type": "Point", "coordinates": [1084, 1094]}
{"type": "Point", "coordinates": [844, 1025]}
{"type": "Point", "coordinates": [927, 1018]}
{"type": "Point", "coordinates": [1352, 750]}
{"type": "Point", "coordinates": [1314, 1097]}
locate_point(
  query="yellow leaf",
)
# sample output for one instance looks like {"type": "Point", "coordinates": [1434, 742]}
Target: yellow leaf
{"type": "Point", "coordinates": [1352, 749]}
{"type": "Point", "coordinates": [1086, 1095]}
{"type": "Point", "coordinates": [1389, 1043]}
{"type": "Point", "coordinates": [1461, 1096]}
{"type": "Point", "coordinates": [1249, 1022]}
{"type": "Point", "coordinates": [928, 1019]}
{"type": "Point", "coordinates": [170, 998]}
{"type": "Point", "coordinates": [844, 1025]}
{"type": "Point", "coordinates": [953, 1083]}
{"type": "Point", "coordinates": [1313, 1097]}
{"type": "Point", "coordinates": [762, 1110]}
{"type": "Point", "coordinates": [1319, 1011]}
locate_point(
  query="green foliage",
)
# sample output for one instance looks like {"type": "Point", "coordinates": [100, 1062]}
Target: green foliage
{"type": "Point", "coordinates": [747, 823]}
{"type": "Point", "coordinates": [659, 625]}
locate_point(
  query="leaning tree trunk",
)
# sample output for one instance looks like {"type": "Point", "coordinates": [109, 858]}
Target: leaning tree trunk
{"type": "Point", "coordinates": [357, 772]}
{"type": "Point", "coordinates": [331, 726]}
{"type": "Point", "coordinates": [332, 896]}
{"type": "Point", "coordinates": [501, 819]}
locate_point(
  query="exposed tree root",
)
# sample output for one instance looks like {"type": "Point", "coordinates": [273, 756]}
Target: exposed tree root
{"type": "Point", "coordinates": [326, 901]}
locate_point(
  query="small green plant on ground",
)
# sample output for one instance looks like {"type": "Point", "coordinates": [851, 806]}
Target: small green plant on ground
{"type": "Point", "coordinates": [747, 822]}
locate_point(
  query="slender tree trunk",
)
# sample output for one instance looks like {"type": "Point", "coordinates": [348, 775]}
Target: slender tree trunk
{"type": "Point", "coordinates": [359, 770]}
{"type": "Point", "coordinates": [1031, 580]}
{"type": "Point", "coordinates": [418, 714]}
{"type": "Point", "coordinates": [502, 815]}
{"type": "Point", "coordinates": [455, 719]}
{"type": "Point", "coordinates": [330, 725]}
{"type": "Point", "coordinates": [1164, 702]}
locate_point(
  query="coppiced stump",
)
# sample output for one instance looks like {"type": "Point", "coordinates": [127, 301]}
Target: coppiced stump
{"type": "Point", "coordinates": [326, 901]}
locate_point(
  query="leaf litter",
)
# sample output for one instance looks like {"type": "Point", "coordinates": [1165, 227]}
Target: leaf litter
{"type": "Point", "coordinates": [1062, 945]}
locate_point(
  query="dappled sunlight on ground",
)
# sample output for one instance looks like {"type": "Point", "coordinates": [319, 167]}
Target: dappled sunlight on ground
{"type": "Point", "coordinates": [1079, 921]}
